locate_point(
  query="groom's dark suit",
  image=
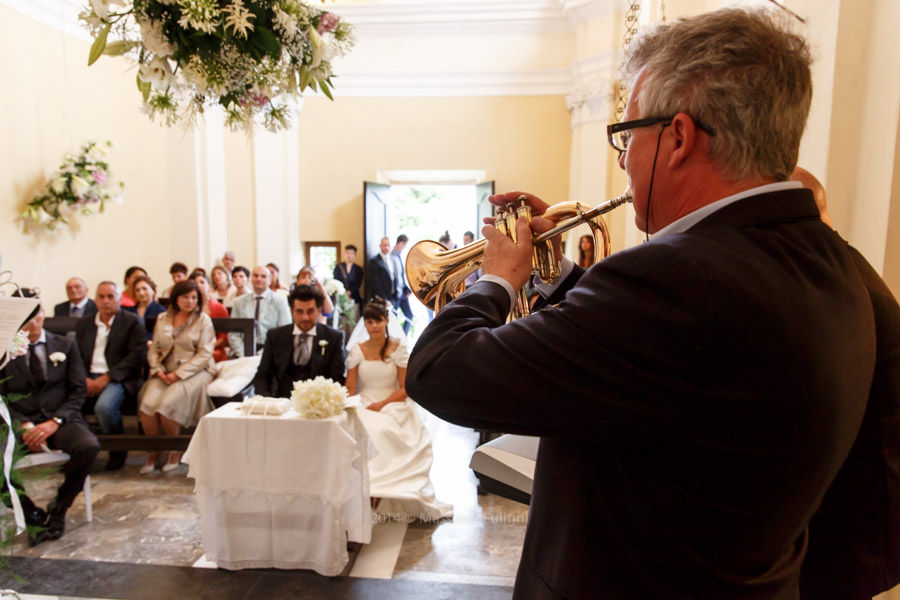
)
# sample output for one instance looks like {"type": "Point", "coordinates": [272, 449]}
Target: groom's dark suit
{"type": "Point", "coordinates": [273, 378]}
{"type": "Point", "coordinates": [60, 396]}
{"type": "Point", "coordinates": [695, 397]}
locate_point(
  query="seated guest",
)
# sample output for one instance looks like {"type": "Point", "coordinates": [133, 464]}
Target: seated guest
{"type": "Point", "coordinates": [228, 261]}
{"type": "Point", "coordinates": [131, 274]}
{"type": "Point", "coordinates": [50, 413]}
{"type": "Point", "coordinates": [350, 274]}
{"type": "Point", "coordinates": [179, 272]}
{"type": "Point", "coordinates": [302, 350]}
{"type": "Point", "coordinates": [268, 308]}
{"type": "Point", "coordinates": [240, 278]}
{"type": "Point", "coordinates": [586, 251]}
{"type": "Point", "coordinates": [307, 276]}
{"type": "Point", "coordinates": [145, 294]}
{"type": "Point", "coordinates": [222, 289]}
{"type": "Point", "coordinates": [181, 367]}
{"type": "Point", "coordinates": [79, 305]}
{"type": "Point", "coordinates": [111, 344]}
{"type": "Point", "coordinates": [215, 311]}
{"type": "Point", "coordinates": [275, 280]}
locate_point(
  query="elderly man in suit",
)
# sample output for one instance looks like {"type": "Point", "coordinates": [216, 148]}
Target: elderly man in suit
{"type": "Point", "coordinates": [78, 305]}
{"type": "Point", "coordinates": [383, 278]}
{"type": "Point", "coordinates": [111, 344]}
{"type": "Point", "coordinates": [51, 377]}
{"type": "Point", "coordinates": [303, 350]}
{"type": "Point", "coordinates": [697, 394]}
{"type": "Point", "coordinates": [268, 308]}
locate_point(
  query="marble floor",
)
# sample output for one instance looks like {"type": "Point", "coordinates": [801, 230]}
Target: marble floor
{"type": "Point", "coordinates": [153, 520]}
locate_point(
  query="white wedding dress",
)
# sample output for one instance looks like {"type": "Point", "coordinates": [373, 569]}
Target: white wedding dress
{"type": "Point", "coordinates": [398, 469]}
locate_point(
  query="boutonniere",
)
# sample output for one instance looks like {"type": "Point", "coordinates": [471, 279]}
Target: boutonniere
{"type": "Point", "coordinates": [57, 357]}
{"type": "Point", "coordinates": [323, 344]}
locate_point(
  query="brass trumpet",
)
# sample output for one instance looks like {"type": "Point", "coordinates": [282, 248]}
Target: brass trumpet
{"type": "Point", "coordinates": [437, 275]}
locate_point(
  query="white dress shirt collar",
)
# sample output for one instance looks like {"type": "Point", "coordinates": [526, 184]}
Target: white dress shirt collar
{"type": "Point", "coordinates": [691, 219]}
{"type": "Point", "coordinates": [81, 304]}
{"type": "Point", "coordinates": [310, 333]}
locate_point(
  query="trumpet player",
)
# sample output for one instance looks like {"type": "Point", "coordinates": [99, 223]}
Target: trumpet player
{"type": "Point", "coordinates": [696, 395]}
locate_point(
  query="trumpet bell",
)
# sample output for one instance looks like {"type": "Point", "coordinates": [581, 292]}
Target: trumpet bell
{"type": "Point", "coordinates": [437, 275]}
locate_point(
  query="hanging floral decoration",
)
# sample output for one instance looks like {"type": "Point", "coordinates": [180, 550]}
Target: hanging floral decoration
{"type": "Point", "coordinates": [82, 185]}
{"type": "Point", "coordinates": [252, 57]}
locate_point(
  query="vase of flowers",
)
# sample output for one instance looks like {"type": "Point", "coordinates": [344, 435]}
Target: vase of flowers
{"type": "Point", "coordinates": [82, 185]}
{"type": "Point", "coordinates": [251, 57]}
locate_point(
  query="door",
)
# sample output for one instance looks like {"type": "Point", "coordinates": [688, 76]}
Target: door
{"type": "Point", "coordinates": [485, 208]}
{"type": "Point", "coordinates": [376, 197]}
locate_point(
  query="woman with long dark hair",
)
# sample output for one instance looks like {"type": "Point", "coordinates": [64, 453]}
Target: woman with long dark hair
{"type": "Point", "coordinates": [398, 473]}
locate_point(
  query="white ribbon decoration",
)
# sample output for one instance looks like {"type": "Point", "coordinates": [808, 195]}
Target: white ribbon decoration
{"type": "Point", "coordinates": [19, 516]}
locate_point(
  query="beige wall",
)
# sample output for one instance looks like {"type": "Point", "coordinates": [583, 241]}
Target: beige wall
{"type": "Point", "coordinates": [50, 103]}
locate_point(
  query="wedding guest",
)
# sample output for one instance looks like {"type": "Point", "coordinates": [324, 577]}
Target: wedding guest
{"type": "Point", "coordinates": [307, 276]}
{"type": "Point", "coordinates": [350, 274]}
{"type": "Point", "coordinates": [265, 306]}
{"type": "Point", "coordinates": [214, 310]}
{"type": "Point", "coordinates": [382, 279]}
{"type": "Point", "coordinates": [222, 290]}
{"type": "Point", "coordinates": [275, 283]}
{"type": "Point", "coordinates": [179, 272]}
{"type": "Point", "coordinates": [446, 241]}
{"type": "Point", "coordinates": [78, 305]}
{"type": "Point", "coordinates": [240, 278]}
{"type": "Point", "coordinates": [195, 271]}
{"type": "Point", "coordinates": [50, 378]}
{"type": "Point", "coordinates": [403, 301]}
{"type": "Point", "coordinates": [468, 238]}
{"type": "Point", "coordinates": [228, 261]}
{"type": "Point", "coordinates": [131, 274]}
{"type": "Point", "coordinates": [586, 251]}
{"type": "Point", "coordinates": [145, 294]}
{"type": "Point", "coordinates": [112, 345]}
{"type": "Point", "coordinates": [303, 350]}
{"type": "Point", "coordinates": [181, 367]}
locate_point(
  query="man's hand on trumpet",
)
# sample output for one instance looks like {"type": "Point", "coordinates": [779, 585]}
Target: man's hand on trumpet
{"type": "Point", "coordinates": [513, 260]}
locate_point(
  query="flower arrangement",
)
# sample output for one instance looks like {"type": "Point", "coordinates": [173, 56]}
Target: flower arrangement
{"type": "Point", "coordinates": [335, 288]}
{"type": "Point", "coordinates": [318, 398]}
{"type": "Point", "coordinates": [252, 57]}
{"type": "Point", "coordinates": [81, 185]}
{"type": "Point", "coordinates": [18, 346]}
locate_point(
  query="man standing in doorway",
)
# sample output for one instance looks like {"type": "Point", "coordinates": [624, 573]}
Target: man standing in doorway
{"type": "Point", "coordinates": [404, 290]}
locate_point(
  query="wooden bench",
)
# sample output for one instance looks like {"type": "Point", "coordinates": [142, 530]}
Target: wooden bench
{"type": "Point", "coordinates": [133, 439]}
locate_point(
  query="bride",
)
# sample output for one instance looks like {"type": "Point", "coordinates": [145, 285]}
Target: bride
{"type": "Point", "coordinates": [398, 471]}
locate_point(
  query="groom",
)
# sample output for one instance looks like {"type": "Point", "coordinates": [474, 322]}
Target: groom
{"type": "Point", "coordinates": [300, 351]}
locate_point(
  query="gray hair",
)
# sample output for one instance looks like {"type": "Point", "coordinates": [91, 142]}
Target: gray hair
{"type": "Point", "coordinates": [742, 74]}
{"type": "Point", "coordinates": [113, 284]}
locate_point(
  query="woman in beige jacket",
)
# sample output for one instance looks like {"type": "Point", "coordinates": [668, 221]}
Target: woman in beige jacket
{"type": "Point", "coordinates": [181, 367]}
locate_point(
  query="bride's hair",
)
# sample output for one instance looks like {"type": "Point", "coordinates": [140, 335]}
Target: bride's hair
{"type": "Point", "coordinates": [377, 310]}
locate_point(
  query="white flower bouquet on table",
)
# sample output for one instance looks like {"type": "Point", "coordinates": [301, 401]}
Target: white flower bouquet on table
{"type": "Point", "coordinates": [252, 57]}
{"type": "Point", "coordinates": [318, 398]}
{"type": "Point", "coordinates": [83, 184]}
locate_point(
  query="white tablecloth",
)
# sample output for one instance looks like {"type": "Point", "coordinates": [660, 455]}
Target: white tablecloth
{"type": "Point", "coordinates": [280, 491]}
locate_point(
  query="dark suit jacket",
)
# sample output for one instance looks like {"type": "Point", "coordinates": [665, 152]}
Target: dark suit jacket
{"type": "Point", "coordinates": [125, 347]}
{"type": "Point", "coordinates": [61, 395]}
{"type": "Point", "coordinates": [352, 281]}
{"type": "Point", "coordinates": [695, 397]}
{"type": "Point", "coordinates": [278, 352]}
{"type": "Point", "coordinates": [854, 537]}
{"type": "Point", "coordinates": [62, 309]}
{"type": "Point", "coordinates": [379, 281]}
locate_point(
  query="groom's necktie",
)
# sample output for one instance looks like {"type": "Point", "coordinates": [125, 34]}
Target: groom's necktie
{"type": "Point", "coordinates": [301, 349]}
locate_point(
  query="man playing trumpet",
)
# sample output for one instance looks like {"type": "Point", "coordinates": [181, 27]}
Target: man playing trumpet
{"type": "Point", "coordinates": [695, 395]}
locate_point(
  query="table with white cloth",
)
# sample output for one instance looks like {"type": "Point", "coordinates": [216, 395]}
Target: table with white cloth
{"type": "Point", "coordinates": [280, 491]}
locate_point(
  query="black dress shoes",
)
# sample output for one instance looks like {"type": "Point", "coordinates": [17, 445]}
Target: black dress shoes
{"type": "Point", "coordinates": [56, 521]}
{"type": "Point", "coordinates": [34, 519]}
{"type": "Point", "coordinates": [116, 461]}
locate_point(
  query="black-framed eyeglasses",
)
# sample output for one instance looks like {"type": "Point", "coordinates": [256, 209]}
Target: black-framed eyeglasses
{"type": "Point", "coordinates": [619, 134]}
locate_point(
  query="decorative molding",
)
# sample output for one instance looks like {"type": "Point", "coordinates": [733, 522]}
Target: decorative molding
{"type": "Point", "coordinates": [61, 15]}
{"type": "Point", "coordinates": [581, 11]}
{"type": "Point", "coordinates": [591, 96]}
{"type": "Point", "coordinates": [538, 82]}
